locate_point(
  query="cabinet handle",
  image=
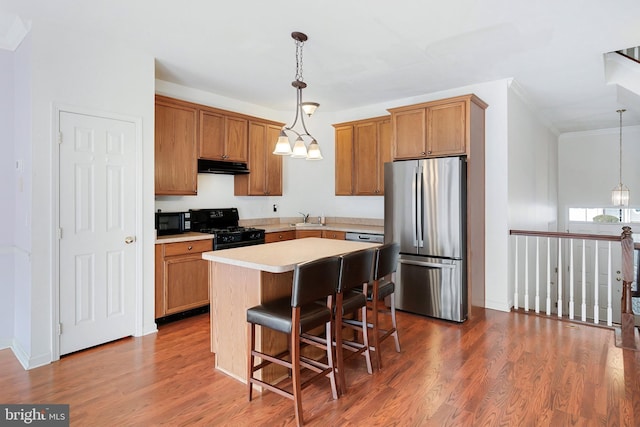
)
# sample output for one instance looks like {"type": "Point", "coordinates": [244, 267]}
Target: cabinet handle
{"type": "Point", "coordinates": [189, 248]}
{"type": "Point", "coordinates": [423, 153]}
{"type": "Point", "coordinates": [428, 152]}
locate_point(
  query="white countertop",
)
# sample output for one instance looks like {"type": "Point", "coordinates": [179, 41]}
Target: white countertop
{"type": "Point", "coordinates": [185, 237]}
{"type": "Point", "coordinates": [354, 228]}
{"type": "Point", "coordinates": [280, 257]}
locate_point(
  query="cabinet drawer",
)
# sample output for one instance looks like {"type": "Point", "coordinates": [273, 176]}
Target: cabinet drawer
{"type": "Point", "coordinates": [278, 236]}
{"type": "Point", "coordinates": [337, 235]}
{"type": "Point", "coordinates": [194, 246]}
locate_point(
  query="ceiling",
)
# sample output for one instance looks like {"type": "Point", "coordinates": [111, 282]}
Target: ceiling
{"type": "Point", "coordinates": [363, 52]}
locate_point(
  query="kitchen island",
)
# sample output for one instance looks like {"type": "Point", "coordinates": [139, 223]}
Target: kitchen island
{"type": "Point", "coordinates": [241, 278]}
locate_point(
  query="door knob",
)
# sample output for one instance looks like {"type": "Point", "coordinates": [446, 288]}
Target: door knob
{"type": "Point", "coordinates": [129, 239]}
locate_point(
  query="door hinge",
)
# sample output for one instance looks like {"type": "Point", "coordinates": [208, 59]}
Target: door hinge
{"type": "Point", "coordinates": [59, 328]}
{"type": "Point", "coordinates": [59, 137]}
{"type": "Point", "coordinates": [59, 233]}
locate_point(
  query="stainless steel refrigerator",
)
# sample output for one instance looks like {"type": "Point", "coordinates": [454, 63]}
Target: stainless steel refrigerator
{"type": "Point", "coordinates": [424, 211]}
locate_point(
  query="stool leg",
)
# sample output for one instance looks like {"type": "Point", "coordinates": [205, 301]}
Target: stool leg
{"type": "Point", "coordinates": [252, 342]}
{"type": "Point", "coordinates": [365, 339]}
{"type": "Point", "coordinates": [295, 367]}
{"type": "Point", "coordinates": [393, 321]}
{"type": "Point", "coordinates": [331, 360]}
{"type": "Point", "coordinates": [374, 321]}
{"type": "Point", "coordinates": [338, 343]}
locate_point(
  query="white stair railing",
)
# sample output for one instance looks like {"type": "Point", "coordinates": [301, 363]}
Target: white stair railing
{"type": "Point", "coordinates": [554, 262]}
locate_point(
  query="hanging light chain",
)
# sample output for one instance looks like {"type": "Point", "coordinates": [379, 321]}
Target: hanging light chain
{"type": "Point", "coordinates": [299, 44]}
{"type": "Point", "coordinates": [620, 150]}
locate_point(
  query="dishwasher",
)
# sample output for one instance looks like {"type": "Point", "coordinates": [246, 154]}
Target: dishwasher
{"type": "Point", "coordinates": [365, 237]}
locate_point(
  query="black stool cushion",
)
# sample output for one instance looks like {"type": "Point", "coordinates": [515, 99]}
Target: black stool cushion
{"type": "Point", "coordinates": [276, 315]}
{"type": "Point", "coordinates": [353, 300]}
{"type": "Point", "coordinates": [384, 289]}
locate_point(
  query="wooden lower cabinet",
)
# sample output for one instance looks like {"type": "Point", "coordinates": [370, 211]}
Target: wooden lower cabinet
{"type": "Point", "coordinates": [337, 235]}
{"type": "Point", "coordinates": [279, 236]}
{"type": "Point", "coordinates": [182, 276]}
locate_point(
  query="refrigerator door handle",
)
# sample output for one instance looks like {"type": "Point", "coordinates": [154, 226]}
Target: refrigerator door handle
{"type": "Point", "coordinates": [426, 264]}
{"type": "Point", "coordinates": [419, 212]}
{"type": "Point", "coordinates": [414, 207]}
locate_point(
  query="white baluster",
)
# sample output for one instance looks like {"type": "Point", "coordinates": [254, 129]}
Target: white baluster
{"type": "Point", "coordinates": [537, 275]}
{"type": "Point", "coordinates": [548, 300]}
{"type": "Point", "coordinates": [526, 273]}
{"type": "Point", "coordinates": [609, 306]}
{"type": "Point", "coordinates": [515, 268]}
{"type": "Point", "coordinates": [560, 272]}
{"type": "Point", "coordinates": [584, 282]}
{"type": "Point", "coordinates": [596, 307]}
{"type": "Point", "coordinates": [571, 282]}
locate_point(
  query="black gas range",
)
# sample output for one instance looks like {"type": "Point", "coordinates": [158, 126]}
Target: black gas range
{"type": "Point", "coordinates": [223, 224]}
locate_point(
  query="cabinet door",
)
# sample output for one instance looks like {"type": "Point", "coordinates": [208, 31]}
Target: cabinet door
{"type": "Point", "coordinates": [235, 139]}
{"type": "Point", "coordinates": [211, 135]}
{"type": "Point", "coordinates": [446, 129]}
{"type": "Point", "coordinates": [409, 132]}
{"type": "Point", "coordinates": [273, 162]}
{"type": "Point", "coordinates": [384, 151]}
{"type": "Point", "coordinates": [176, 168]}
{"type": "Point", "coordinates": [365, 159]}
{"type": "Point", "coordinates": [256, 179]}
{"type": "Point", "coordinates": [186, 283]}
{"type": "Point", "coordinates": [344, 160]}
{"type": "Point", "coordinates": [265, 177]}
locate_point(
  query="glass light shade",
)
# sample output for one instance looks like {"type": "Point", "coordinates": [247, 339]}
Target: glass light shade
{"type": "Point", "coordinates": [283, 148]}
{"type": "Point", "coordinates": [299, 149]}
{"type": "Point", "coordinates": [313, 152]}
{"type": "Point", "coordinates": [620, 195]}
{"type": "Point", "coordinates": [309, 107]}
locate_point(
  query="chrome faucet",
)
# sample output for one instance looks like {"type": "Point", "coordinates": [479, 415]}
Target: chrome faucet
{"type": "Point", "coordinates": [305, 217]}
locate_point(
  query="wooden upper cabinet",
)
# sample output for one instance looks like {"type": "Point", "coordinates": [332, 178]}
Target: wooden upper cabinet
{"type": "Point", "coordinates": [265, 169]}
{"type": "Point", "coordinates": [176, 150]}
{"type": "Point", "coordinates": [434, 129]}
{"type": "Point", "coordinates": [362, 148]}
{"type": "Point", "coordinates": [222, 136]}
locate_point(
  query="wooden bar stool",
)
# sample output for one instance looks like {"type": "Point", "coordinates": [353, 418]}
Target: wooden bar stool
{"type": "Point", "coordinates": [312, 281]}
{"type": "Point", "coordinates": [386, 261]}
{"type": "Point", "coordinates": [356, 269]}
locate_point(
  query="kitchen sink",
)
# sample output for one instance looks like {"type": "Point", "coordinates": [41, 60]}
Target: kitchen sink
{"type": "Point", "coordinates": [306, 224]}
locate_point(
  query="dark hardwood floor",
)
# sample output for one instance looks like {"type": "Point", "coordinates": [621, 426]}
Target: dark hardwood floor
{"type": "Point", "coordinates": [495, 369]}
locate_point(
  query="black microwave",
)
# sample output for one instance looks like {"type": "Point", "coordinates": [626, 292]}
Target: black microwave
{"type": "Point", "coordinates": [172, 222]}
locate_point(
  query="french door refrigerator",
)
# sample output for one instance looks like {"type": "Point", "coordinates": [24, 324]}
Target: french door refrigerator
{"type": "Point", "coordinates": [424, 211]}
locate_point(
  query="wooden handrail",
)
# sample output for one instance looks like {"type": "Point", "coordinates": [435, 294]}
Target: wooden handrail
{"type": "Point", "coordinates": [627, 56]}
{"type": "Point", "coordinates": [610, 238]}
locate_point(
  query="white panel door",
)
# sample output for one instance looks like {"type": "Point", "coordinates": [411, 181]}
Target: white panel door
{"type": "Point", "coordinates": [97, 230]}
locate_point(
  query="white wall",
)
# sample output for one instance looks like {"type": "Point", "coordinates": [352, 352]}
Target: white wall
{"type": "Point", "coordinates": [590, 168]}
{"type": "Point", "coordinates": [532, 175]}
{"type": "Point", "coordinates": [7, 198]}
{"type": "Point", "coordinates": [22, 221]}
{"type": "Point", "coordinates": [79, 70]}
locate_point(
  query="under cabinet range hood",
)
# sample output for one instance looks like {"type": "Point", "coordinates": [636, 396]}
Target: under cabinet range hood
{"type": "Point", "coordinates": [216, 166]}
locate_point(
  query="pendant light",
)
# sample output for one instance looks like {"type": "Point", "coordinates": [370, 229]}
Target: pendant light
{"type": "Point", "coordinates": [300, 149]}
{"type": "Point", "coordinates": [620, 193]}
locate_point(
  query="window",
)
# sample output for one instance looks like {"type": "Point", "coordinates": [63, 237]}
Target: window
{"type": "Point", "coordinates": [604, 215]}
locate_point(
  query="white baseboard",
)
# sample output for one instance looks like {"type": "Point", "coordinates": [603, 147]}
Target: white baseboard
{"type": "Point", "coordinates": [27, 361]}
